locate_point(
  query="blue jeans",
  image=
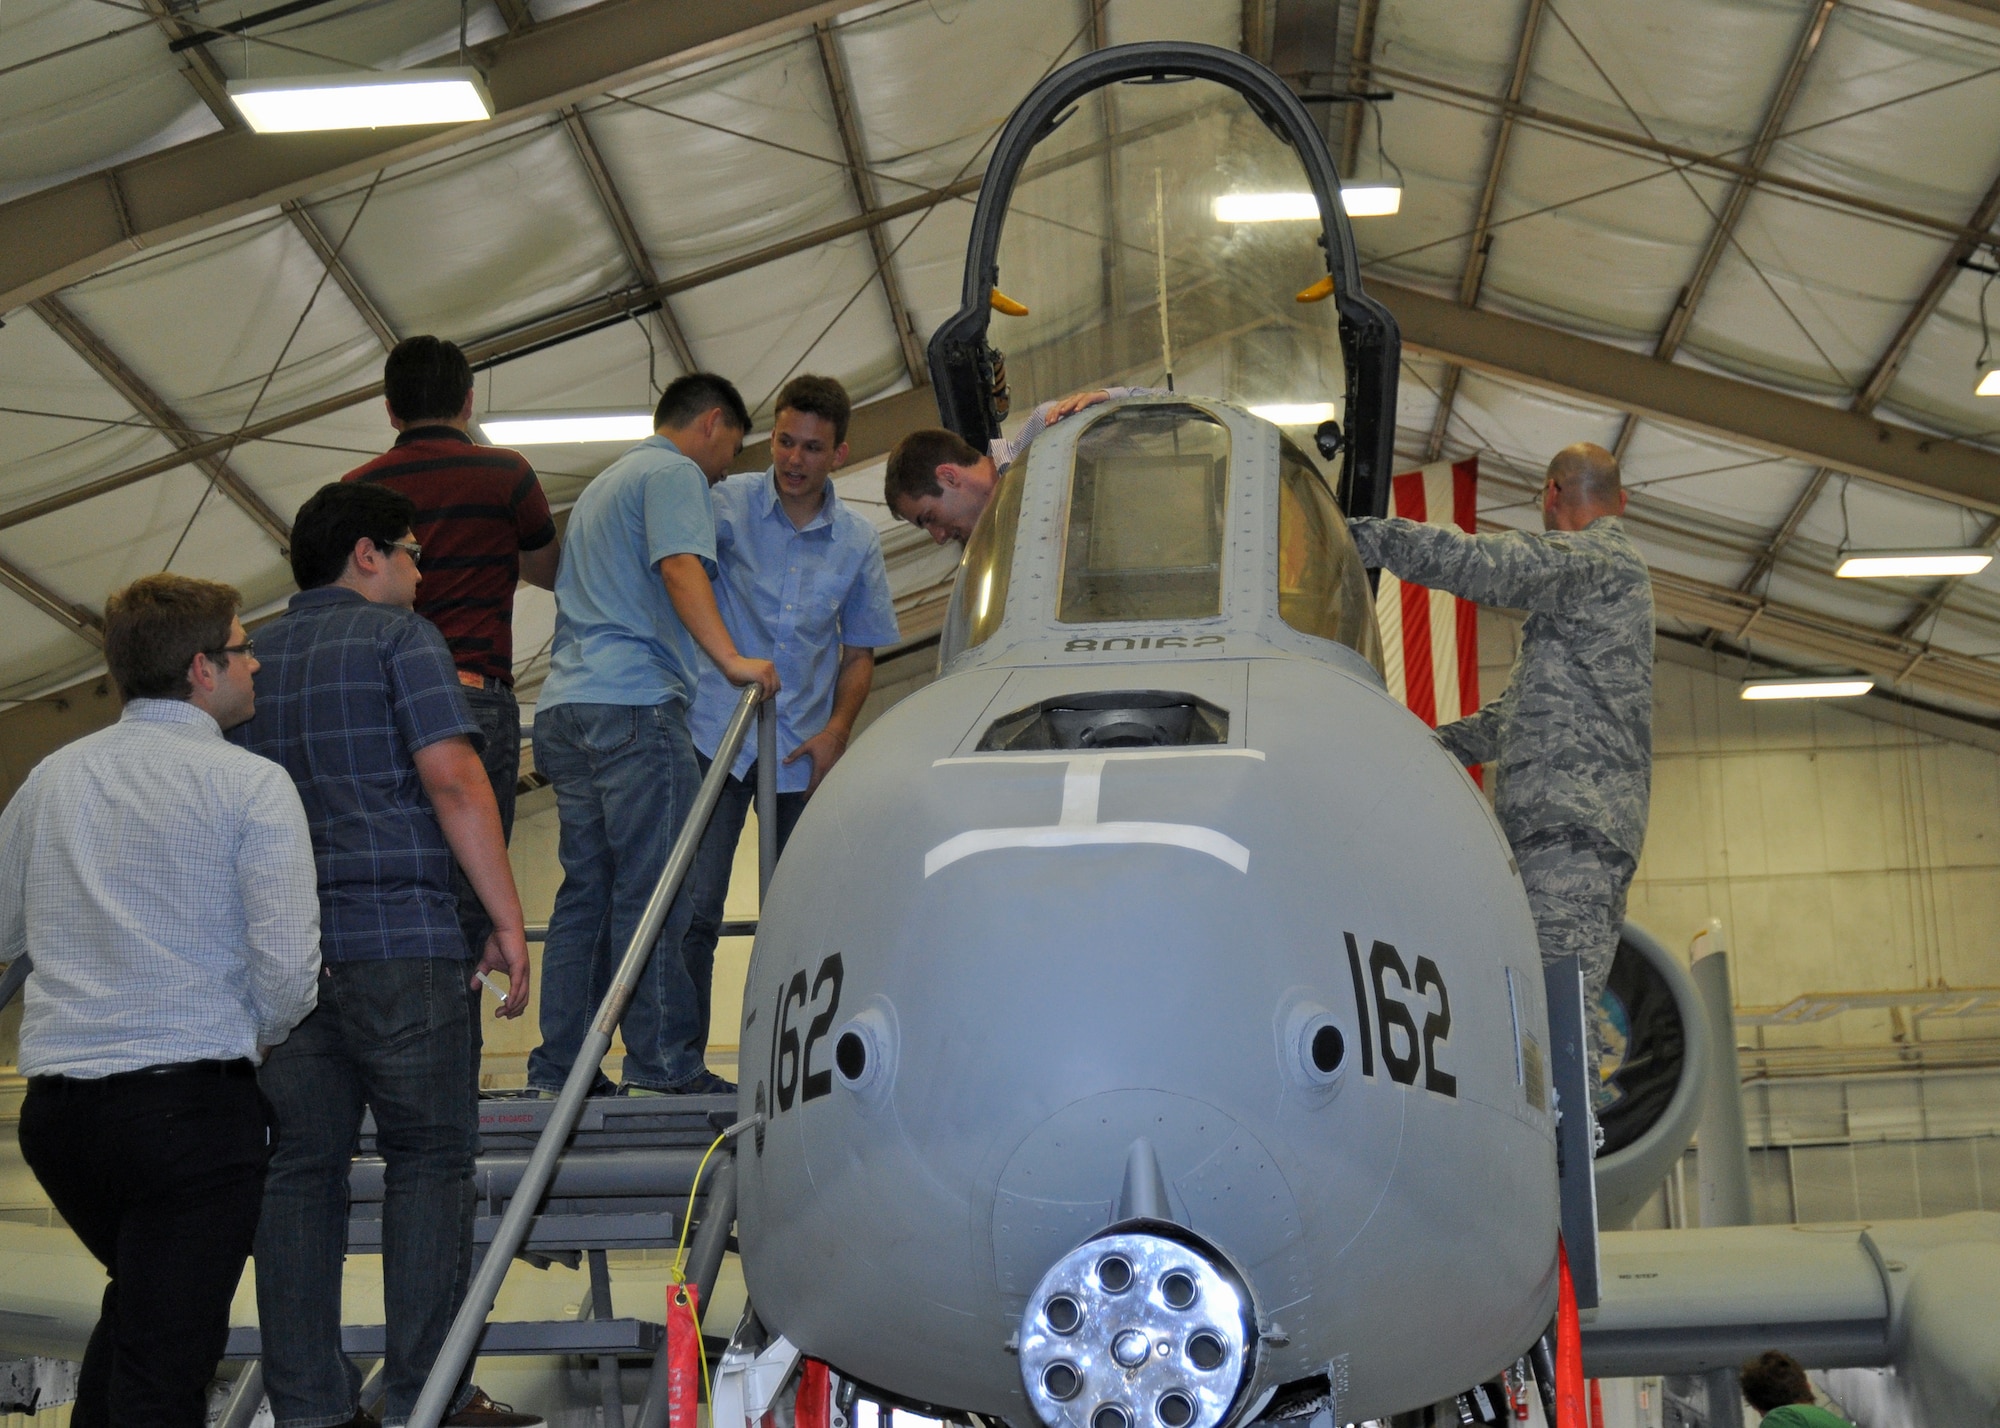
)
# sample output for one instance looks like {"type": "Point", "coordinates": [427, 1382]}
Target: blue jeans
{"type": "Point", "coordinates": [708, 879]}
{"type": "Point", "coordinates": [625, 778]}
{"type": "Point", "coordinates": [498, 715]}
{"type": "Point", "coordinates": [389, 1036]}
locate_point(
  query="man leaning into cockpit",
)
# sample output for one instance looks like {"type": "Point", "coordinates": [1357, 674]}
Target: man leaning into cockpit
{"type": "Point", "coordinates": [1571, 739]}
{"type": "Point", "coordinates": [936, 480]}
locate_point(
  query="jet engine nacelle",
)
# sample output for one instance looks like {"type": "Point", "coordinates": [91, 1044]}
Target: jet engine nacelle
{"type": "Point", "coordinates": [1657, 1036]}
{"type": "Point", "coordinates": [1267, 1011]}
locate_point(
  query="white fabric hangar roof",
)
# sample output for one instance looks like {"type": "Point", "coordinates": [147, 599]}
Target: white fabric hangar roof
{"type": "Point", "coordinates": [1794, 194]}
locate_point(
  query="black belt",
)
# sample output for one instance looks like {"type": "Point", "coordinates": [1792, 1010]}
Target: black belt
{"type": "Point", "coordinates": [240, 1066]}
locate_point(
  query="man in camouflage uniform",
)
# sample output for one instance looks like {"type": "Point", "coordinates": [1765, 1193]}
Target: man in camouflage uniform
{"type": "Point", "coordinates": [1571, 740]}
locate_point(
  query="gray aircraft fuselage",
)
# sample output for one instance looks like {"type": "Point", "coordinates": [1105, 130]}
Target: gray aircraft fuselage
{"type": "Point", "coordinates": [989, 982]}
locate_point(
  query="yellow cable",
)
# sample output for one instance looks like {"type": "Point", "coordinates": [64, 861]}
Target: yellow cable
{"type": "Point", "coordinates": [677, 1274]}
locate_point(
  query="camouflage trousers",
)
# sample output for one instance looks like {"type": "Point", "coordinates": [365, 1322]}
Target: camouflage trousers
{"type": "Point", "coordinates": [1576, 882]}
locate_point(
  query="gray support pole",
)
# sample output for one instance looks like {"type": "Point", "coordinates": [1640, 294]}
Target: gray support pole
{"type": "Point", "coordinates": [470, 1323]}
{"type": "Point", "coordinates": [767, 799]}
{"type": "Point", "coordinates": [718, 1214]}
{"type": "Point", "coordinates": [14, 978]}
{"type": "Point", "coordinates": [1724, 1158]}
{"type": "Point", "coordinates": [245, 1398]}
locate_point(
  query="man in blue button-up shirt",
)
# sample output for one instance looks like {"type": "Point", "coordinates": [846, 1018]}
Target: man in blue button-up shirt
{"type": "Point", "coordinates": [800, 581]}
{"type": "Point", "coordinates": [633, 607]}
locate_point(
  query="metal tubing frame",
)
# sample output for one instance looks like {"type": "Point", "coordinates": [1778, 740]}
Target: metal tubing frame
{"type": "Point", "coordinates": [470, 1322]}
{"type": "Point", "coordinates": [14, 978]}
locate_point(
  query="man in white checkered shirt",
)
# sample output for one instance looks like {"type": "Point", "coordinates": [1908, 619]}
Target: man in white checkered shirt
{"type": "Point", "coordinates": [162, 881]}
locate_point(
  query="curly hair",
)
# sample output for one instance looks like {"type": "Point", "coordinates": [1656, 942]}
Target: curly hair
{"type": "Point", "coordinates": [1772, 1380]}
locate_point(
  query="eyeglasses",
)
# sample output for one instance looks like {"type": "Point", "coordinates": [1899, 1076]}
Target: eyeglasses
{"type": "Point", "coordinates": [412, 549]}
{"type": "Point", "coordinates": [248, 647]}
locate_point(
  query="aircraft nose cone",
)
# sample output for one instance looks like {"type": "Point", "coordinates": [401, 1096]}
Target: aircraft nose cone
{"type": "Point", "coordinates": [1131, 1348]}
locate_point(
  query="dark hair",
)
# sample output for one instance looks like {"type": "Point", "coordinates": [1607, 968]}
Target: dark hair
{"type": "Point", "coordinates": [687, 398]}
{"type": "Point", "coordinates": [1772, 1380]}
{"type": "Point", "coordinates": [912, 470]}
{"type": "Point", "coordinates": [426, 379]}
{"type": "Point", "coordinates": [821, 397]}
{"type": "Point", "coordinates": [155, 626]}
{"type": "Point", "coordinates": [335, 517]}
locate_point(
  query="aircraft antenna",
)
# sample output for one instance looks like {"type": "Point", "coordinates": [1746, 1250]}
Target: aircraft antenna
{"type": "Point", "coordinates": [1160, 268]}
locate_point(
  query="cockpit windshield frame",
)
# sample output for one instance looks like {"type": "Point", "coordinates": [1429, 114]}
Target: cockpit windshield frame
{"type": "Point", "coordinates": [961, 361]}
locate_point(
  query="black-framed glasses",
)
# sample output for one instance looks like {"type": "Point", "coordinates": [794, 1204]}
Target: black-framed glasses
{"type": "Point", "coordinates": [413, 549]}
{"type": "Point", "coordinates": [248, 647]}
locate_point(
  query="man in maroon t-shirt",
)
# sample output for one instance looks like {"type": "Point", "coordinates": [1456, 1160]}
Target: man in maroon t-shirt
{"type": "Point", "coordinates": [484, 526]}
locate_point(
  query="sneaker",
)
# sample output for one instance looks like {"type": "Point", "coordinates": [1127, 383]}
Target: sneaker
{"type": "Point", "coordinates": [483, 1412]}
{"type": "Point", "coordinates": [706, 1083]}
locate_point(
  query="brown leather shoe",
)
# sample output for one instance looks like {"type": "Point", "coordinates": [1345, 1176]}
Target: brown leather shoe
{"type": "Point", "coordinates": [483, 1412]}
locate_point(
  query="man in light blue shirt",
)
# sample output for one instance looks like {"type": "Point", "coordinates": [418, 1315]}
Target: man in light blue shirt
{"type": "Point", "coordinates": [800, 581]}
{"type": "Point", "coordinates": [634, 613]}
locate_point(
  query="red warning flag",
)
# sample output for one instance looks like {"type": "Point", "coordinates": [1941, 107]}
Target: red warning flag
{"type": "Point", "coordinates": [1570, 1411]}
{"type": "Point", "coordinates": [813, 1408]}
{"type": "Point", "coordinates": [683, 1356]}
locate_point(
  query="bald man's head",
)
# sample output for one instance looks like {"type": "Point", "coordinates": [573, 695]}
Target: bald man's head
{"type": "Point", "coordinates": [1582, 485]}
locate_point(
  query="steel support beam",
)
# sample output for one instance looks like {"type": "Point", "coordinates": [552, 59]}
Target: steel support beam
{"type": "Point", "coordinates": [1892, 658]}
{"type": "Point", "coordinates": [343, 276]}
{"type": "Point", "coordinates": [566, 324]}
{"type": "Point", "coordinates": [1726, 407]}
{"type": "Point", "coordinates": [76, 618]}
{"type": "Point", "coordinates": [1880, 380]}
{"type": "Point", "coordinates": [1360, 58]}
{"type": "Point", "coordinates": [840, 89]}
{"type": "Point", "coordinates": [1473, 276]}
{"type": "Point", "coordinates": [58, 236]}
{"type": "Point", "coordinates": [205, 76]}
{"type": "Point", "coordinates": [1724, 232]}
{"type": "Point", "coordinates": [636, 256]}
{"type": "Point", "coordinates": [148, 403]}
{"type": "Point", "coordinates": [1716, 163]}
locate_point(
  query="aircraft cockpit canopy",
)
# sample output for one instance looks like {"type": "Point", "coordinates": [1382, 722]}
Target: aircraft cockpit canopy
{"type": "Point", "coordinates": [1166, 216]}
{"type": "Point", "coordinates": [1142, 534]}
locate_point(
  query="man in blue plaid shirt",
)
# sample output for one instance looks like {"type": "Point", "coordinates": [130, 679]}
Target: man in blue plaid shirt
{"type": "Point", "coordinates": [359, 700]}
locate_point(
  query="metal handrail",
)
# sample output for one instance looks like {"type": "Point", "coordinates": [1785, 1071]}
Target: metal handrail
{"type": "Point", "coordinates": [470, 1323]}
{"type": "Point", "coordinates": [14, 978]}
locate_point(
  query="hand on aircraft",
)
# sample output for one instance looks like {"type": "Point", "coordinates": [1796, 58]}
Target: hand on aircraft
{"type": "Point", "coordinates": [1075, 402]}
{"type": "Point", "coordinates": [824, 749]}
{"type": "Point", "coordinates": [760, 672]}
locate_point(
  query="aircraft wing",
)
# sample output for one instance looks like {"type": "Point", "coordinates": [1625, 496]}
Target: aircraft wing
{"type": "Point", "coordinates": [1917, 1295]}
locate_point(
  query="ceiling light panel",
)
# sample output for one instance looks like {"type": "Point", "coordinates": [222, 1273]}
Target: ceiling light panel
{"type": "Point", "coordinates": [566, 428]}
{"type": "Point", "coordinates": [1817, 687]}
{"type": "Point", "coordinates": [1360, 201]}
{"type": "Point", "coordinates": [363, 100]}
{"type": "Point", "coordinates": [1887, 564]}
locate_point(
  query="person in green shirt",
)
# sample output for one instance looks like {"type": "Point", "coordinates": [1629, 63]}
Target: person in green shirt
{"type": "Point", "coordinates": [1776, 1386]}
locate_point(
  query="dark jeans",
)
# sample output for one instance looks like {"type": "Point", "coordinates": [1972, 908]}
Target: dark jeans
{"type": "Point", "coordinates": [708, 879]}
{"type": "Point", "coordinates": [498, 715]}
{"type": "Point", "coordinates": [160, 1175]}
{"type": "Point", "coordinates": [389, 1036]}
{"type": "Point", "coordinates": [625, 777]}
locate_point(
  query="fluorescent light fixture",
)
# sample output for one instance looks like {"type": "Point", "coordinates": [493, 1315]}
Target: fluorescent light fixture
{"type": "Point", "coordinates": [1880, 564]}
{"type": "Point", "coordinates": [1367, 201]}
{"type": "Point", "coordinates": [1812, 687]}
{"type": "Point", "coordinates": [567, 428]}
{"type": "Point", "coordinates": [1297, 413]}
{"type": "Point", "coordinates": [1989, 385]}
{"type": "Point", "coordinates": [366, 99]}
{"type": "Point", "coordinates": [1378, 200]}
